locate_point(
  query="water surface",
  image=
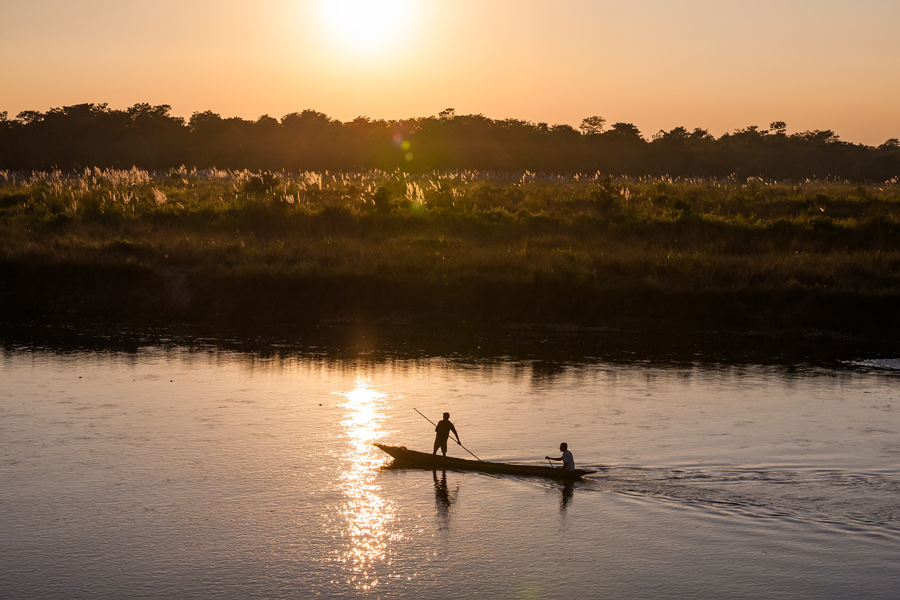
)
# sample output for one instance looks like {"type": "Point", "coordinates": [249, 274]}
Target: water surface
{"type": "Point", "coordinates": [201, 472]}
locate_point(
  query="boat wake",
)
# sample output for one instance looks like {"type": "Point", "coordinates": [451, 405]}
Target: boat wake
{"type": "Point", "coordinates": [889, 364]}
{"type": "Point", "coordinates": [854, 502]}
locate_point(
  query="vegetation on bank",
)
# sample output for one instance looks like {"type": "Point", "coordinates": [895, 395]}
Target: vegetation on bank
{"type": "Point", "coordinates": [604, 233]}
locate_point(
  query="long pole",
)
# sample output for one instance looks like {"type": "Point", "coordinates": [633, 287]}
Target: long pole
{"type": "Point", "coordinates": [457, 441]}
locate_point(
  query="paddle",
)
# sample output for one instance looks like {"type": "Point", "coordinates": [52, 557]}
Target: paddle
{"type": "Point", "coordinates": [457, 441]}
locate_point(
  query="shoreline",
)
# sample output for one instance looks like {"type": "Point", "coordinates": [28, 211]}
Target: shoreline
{"type": "Point", "coordinates": [269, 306]}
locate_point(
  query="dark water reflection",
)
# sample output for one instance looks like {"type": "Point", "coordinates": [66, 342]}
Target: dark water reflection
{"type": "Point", "coordinates": [549, 352]}
{"type": "Point", "coordinates": [567, 491]}
{"type": "Point", "coordinates": [443, 499]}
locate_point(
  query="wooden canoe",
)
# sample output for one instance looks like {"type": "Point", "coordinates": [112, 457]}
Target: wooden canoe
{"type": "Point", "coordinates": [404, 457]}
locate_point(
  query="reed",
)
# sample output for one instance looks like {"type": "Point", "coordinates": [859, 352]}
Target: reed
{"type": "Point", "coordinates": [614, 233]}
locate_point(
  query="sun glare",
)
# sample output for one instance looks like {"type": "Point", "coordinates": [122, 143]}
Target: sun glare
{"type": "Point", "coordinates": [367, 513]}
{"type": "Point", "coordinates": [366, 25]}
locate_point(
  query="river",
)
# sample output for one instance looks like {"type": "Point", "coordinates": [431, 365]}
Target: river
{"type": "Point", "coordinates": [198, 470]}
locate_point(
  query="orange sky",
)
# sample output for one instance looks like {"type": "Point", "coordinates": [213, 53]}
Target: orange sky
{"type": "Point", "coordinates": [715, 64]}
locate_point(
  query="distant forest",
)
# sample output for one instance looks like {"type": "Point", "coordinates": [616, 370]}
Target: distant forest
{"type": "Point", "coordinates": [150, 137]}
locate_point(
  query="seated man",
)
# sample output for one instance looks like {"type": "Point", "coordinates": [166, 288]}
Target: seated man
{"type": "Point", "coordinates": [567, 459]}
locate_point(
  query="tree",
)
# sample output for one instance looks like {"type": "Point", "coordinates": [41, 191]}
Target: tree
{"type": "Point", "coordinates": [204, 121]}
{"type": "Point", "coordinates": [267, 123]}
{"type": "Point", "coordinates": [677, 136]}
{"type": "Point", "coordinates": [625, 131]}
{"type": "Point", "coordinates": [700, 135]}
{"type": "Point", "coordinates": [565, 131]}
{"type": "Point", "coordinates": [307, 121]}
{"type": "Point", "coordinates": [27, 117]}
{"type": "Point", "coordinates": [592, 125]}
{"type": "Point", "coordinates": [818, 137]}
{"type": "Point", "coordinates": [143, 111]}
{"type": "Point", "coordinates": [778, 127]}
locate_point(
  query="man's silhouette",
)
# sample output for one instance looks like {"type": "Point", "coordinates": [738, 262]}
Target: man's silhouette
{"type": "Point", "coordinates": [567, 459]}
{"type": "Point", "coordinates": [442, 434]}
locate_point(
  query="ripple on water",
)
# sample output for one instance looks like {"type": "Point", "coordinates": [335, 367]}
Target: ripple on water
{"type": "Point", "coordinates": [826, 497]}
{"type": "Point", "coordinates": [891, 364]}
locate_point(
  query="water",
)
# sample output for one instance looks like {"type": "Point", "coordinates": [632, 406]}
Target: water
{"type": "Point", "coordinates": [172, 472]}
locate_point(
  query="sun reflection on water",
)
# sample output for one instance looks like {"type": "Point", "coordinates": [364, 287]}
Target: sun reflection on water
{"type": "Point", "coordinates": [366, 513]}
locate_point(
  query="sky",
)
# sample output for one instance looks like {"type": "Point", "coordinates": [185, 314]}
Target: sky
{"type": "Point", "coordinates": [719, 65]}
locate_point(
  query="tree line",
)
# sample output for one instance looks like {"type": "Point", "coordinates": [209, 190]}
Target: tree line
{"type": "Point", "coordinates": [150, 137]}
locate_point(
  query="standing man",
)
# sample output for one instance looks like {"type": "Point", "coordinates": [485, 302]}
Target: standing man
{"type": "Point", "coordinates": [442, 434]}
{"type": "Point", "coordinates": [567, 459]}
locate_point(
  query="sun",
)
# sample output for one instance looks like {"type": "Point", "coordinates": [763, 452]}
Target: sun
{"type": "Point", "coordinates": [366, 25]}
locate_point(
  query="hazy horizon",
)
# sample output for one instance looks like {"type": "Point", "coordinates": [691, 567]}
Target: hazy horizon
{"type": "Point", "coordinates": [720, 66]}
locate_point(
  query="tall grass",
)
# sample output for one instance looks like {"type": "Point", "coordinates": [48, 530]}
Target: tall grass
{"type": "Point", "coordinates": [523, 226]}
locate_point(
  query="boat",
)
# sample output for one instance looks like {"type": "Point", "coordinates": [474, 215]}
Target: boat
{"type": "Point", "coordinates": [404, 457]}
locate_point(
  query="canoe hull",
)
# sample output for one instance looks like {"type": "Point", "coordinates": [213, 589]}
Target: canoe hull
{"type": "Point", "coordinates": [404, 457]}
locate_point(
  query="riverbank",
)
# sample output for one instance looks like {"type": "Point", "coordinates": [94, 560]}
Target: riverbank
{"type": "Point", "coordinates": [267, 251]}
{"type": "Point", "coordinates": [136, 294]}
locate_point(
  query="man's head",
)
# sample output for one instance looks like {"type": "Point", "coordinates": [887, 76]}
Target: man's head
{"type": "Point", "coordinates": [563, 447]}
{"type": "Point", "coordinates": [446, 416]}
